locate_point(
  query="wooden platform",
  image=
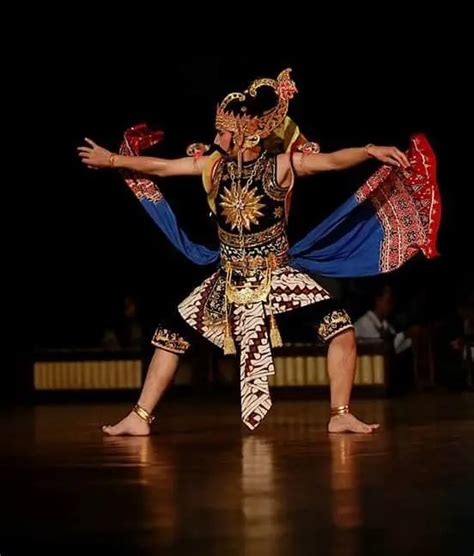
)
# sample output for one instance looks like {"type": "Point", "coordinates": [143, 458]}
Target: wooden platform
{"type": "Point", "coordinates": [204, 485]}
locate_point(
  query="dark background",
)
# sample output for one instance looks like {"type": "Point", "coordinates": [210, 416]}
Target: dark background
{"type": "Point", "coordinates": [90, 243]}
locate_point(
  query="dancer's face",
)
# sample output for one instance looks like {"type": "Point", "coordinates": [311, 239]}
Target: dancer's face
{"type": "Point", "coordinates": [224, 140]}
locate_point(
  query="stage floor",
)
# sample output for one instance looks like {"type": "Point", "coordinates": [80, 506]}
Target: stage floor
{"type": "Point", "coordinates": [203, 485]}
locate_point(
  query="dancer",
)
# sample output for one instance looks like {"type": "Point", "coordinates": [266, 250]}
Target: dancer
{"type": "Point", "coordinates": [248, 177]}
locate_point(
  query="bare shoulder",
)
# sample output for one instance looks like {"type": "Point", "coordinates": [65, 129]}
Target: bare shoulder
{"type": "Point", "coordinates": [284, 170]}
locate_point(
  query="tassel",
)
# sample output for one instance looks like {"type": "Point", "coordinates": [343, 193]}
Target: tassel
{"type": "Point", "coordinates": [229, 344]}
{"type": "Point", "coordinates": [275, 336]}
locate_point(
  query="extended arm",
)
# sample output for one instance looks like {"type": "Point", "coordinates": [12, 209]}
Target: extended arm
{"type": "Point", "coordinates": [96, 157]}
{"type": "Point", "coordinates": [309, 164]}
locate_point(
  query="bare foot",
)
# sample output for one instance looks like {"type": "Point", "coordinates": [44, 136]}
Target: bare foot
{"type": "Point", "coordinates": [131, 425]}
{"type": "Point", "coordinates": [348, 423]}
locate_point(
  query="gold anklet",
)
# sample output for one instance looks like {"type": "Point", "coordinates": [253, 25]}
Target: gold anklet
{"type": "Point", "coordinates": [340, 410]}
{"type": "Point", "coordinates": [143, 414]}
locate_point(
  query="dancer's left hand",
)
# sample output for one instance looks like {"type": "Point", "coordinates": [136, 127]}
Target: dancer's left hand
{"type": "Point", "coordinates": [389, 155]}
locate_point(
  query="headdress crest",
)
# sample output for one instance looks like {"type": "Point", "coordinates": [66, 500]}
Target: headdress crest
{"type": "Point", "coordinates": [249, 130]}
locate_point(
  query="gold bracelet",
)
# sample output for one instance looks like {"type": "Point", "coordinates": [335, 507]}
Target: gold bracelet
{"type": "Point", "coordinates": [112, 158]}
{"type": "Point", "coordinates": [143, 414]}
{"type": "Point", "coordinates": [340, 410]}
{"type": "Point", "coordinates": [367, 147]}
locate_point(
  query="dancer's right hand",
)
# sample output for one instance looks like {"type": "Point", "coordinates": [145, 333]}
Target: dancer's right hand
{"type": "Point", "coordinates": [94, 156]}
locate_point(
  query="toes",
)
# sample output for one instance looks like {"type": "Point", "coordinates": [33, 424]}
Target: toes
{"type": "Point", "coordinates": [362, 427]}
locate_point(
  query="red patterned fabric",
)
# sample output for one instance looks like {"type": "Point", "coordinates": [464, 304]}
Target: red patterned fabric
{"type": "Point", "coordinates": [407, 204]}
{"type": "Point", "coordinates": [137, 139]}
{"type": "Point", "coordinates": [140, 137]}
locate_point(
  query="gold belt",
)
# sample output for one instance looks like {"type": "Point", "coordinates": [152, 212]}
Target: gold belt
{"type": "Point", "coordinates": [256, 262]}
{"type": "Point", "coordinates": [252, 240]}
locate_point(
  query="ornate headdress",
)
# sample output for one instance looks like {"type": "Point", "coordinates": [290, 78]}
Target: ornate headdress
{"type": "Point", "coordinates": [274, 129]}
{"type": "Point", "coordinates": [249, 130]}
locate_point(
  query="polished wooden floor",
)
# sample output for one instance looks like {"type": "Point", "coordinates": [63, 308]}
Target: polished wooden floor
{"type": "Point", "coordinates": [203, 485]}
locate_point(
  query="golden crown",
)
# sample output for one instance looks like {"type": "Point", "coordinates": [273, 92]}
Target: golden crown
{"type": "Point", "coordinates": [253, 128]}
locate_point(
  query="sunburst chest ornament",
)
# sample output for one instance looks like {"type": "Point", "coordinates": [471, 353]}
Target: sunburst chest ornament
{"type": "Point", "coordinates": [241, 207]}
{"type": "Point", "coordinates": [241, 204]}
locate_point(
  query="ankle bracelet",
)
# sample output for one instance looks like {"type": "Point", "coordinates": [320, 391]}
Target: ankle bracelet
{"type": "Point", "coordinates": [340, 410]}
{"type": "Point", "coordinates": [143, 414]}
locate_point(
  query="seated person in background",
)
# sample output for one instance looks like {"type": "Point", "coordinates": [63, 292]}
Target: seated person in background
{"type": "Point", "coordinates": [373, 325]}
